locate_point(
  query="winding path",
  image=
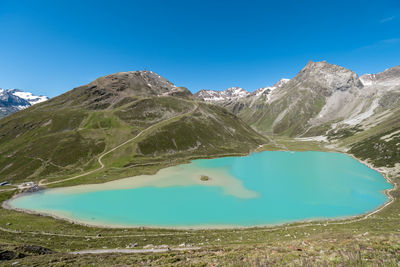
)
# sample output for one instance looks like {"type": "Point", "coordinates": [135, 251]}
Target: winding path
{"type": "Point", "coordinates": [99, 160]}
{"type": "Point", "coordinates": [130, 251]}
{"type": "Point", "coordinates": [265, 229]}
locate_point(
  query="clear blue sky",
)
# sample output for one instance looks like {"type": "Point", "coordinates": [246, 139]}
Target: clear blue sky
{"type": "Point", "coordinates": [49, 47]}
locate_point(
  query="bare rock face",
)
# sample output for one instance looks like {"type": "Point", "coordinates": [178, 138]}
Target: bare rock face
{"type": "Point", "coordinates": [106, 91]}
{"type": "Point", "coordinates": [389, 77]}
{"type": "Point", "coordinates": [281, 83]}
{"type": "Point", "coordinates": [182, 92]}
{"type": "Point", "coordinates": [320, 95]}
{"type": "Point", "coordinates": [142, 83]}
{"type": "Point", "coordinates": [327, 78]}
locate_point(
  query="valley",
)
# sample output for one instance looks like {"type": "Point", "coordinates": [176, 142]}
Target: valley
{"type": "Point", "coordinates": [137, 123]}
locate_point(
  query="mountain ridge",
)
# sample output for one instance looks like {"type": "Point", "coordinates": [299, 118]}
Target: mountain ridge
{"type": "Point", "coordinates": [319, 96]}
{"type": "Point", "coordinates": [64, 135]}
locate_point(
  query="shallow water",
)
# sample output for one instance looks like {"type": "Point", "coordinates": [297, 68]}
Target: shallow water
{"type": "Point", "coordinates": [260, 189]}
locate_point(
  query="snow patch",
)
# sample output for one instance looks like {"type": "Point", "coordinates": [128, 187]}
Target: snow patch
{"type": "Point", "coordinates": [31, 98]}
{"type": "Point", "coordinates": [228, 94]}
{"type": "Point", "coordinates": [320, 138]}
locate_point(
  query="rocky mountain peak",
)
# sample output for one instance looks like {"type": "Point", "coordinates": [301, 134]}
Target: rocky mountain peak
{"type": "Point", "coordinates": [263, 91]}
{"type": "Point", "coordinates": [236, 91]}
{"type": "Point", "coordinates": [267, 90]}
{"type": "Point", "coordinates": [108, 90]}
{"type": "Point", "coordinates": [281, 82]}
{"type": "Point", "coordinates": [134, 83]}
{"type": "Point", "coordinates": [328, 76]}
{"type": "Point", "coordinates": [229, 94]}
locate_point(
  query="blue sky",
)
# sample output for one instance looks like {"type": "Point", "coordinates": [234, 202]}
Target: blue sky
{"type": "Point", "coordinates": [50, 47]}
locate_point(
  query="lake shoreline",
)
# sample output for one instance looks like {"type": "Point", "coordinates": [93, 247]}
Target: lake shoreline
{"type": "Point", "coordinates": [302, 223]}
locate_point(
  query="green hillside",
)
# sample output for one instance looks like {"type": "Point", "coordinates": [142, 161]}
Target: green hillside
{"type": "Point", "coordinates": [65, 136]}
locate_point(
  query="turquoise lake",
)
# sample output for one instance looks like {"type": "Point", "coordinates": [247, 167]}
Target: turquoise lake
{"type": "Point", "coordinates": [263, 188]}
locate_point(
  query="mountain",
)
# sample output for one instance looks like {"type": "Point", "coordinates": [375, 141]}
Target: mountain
{"type": "Point", "coordinates": [321, 98]}
{"type": "Point", "coordinates": [66, 134]}
{"type": "Point", "coordinates": [375, 136]}
{"type": "Point", "coordinates": [236, 93]}
{"type": "Point", "coordinates": [229, 94]}
{"type": "Point", "coordinates": [328, 102]}
{"type": "Point", "coordinates": [287, 109]}
{"type": "Point", "coordinates": [13, 100]}
{"type": "Point", "coordinates": [31, 98]}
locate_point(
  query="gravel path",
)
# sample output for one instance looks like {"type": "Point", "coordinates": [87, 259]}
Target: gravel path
{"type": "Point", "coordinates": [41, 183]}
{"type": "Point", "coordinates": [130, 251]}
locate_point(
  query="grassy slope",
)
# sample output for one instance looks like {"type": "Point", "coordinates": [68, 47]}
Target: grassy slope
{"type": "Point", "coordinates": [51, 141]}
{"type": "Point", "coordinates": [371, 145]}
{"type": "Point", "coordinates": [371, 241]}
{"type": "Point", "coordinates": [210, 130]}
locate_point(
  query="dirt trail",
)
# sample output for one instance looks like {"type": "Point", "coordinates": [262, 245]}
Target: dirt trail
{"type": "Point", "coordinates": [117, 250]}
{"type": "Point", "coordinates": [99, 160]}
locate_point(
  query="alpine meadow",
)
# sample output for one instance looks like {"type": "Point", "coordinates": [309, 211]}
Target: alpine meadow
{"type": "Point", "coordinates": [125, 149]}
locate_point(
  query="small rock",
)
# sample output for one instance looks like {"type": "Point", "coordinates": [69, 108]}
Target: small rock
{"type": "Point", "coordinates": [182, 245]}
{"type": "Point", "coordinates": [7, 255]}
{"type": "Point", "coordinates": [35, 249]}
{"type": "Point", "coordinates": [133, 245]}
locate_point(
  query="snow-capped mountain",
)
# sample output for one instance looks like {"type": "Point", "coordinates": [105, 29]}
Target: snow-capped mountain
{"type": "Point", "coordinates": [229, 94]}
{"type": "Point", "coordinates": [13, 100]}
{"type": "Point", "coordinates": [267, 90]}
{"type": "Point", "coordinates": [235, 93]}
{"type": "Point", "coordinates": [31, 98]}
